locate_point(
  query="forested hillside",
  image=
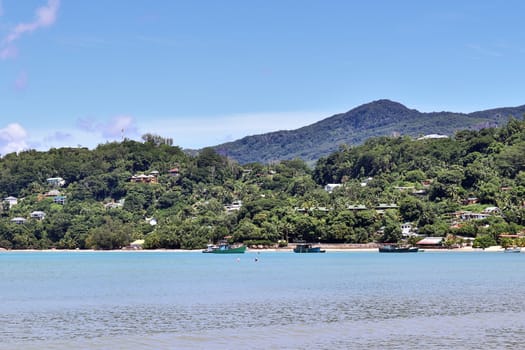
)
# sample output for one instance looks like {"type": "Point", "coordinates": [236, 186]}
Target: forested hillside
{"type": "Point", "coordinates": [471, 185]}
{"type": "Point", "coordinates": [375, 119]}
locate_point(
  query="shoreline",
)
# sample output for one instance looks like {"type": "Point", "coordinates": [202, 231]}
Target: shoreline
{"type": "Point", "coordinates": [328, 248]}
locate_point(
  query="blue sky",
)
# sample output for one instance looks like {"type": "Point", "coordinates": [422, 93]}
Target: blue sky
{"type": "Point", "coordinates": [205, 72]}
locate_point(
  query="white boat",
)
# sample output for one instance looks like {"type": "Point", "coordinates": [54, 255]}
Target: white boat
{"type": "Point", "coordinates": [512, 250]}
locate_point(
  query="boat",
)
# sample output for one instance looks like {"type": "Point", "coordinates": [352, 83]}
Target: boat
{"type": "Point", "coordinates": [210, 248]}
{"type": "Point", "coordinates": [307, 248]}
{"type": "Point", "coordinates": [512, 250]}
{"type": "Point", "coordinates": [225, 248]}
{"type": "Point", "coordinates": [397, 249]}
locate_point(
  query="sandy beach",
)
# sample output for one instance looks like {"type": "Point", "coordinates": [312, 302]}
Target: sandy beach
{"type": "Point", "coordinates": [347, 248]}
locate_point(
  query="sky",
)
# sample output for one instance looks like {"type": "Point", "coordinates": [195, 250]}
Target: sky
{"type": "Point", "coordinates": [79, 73]}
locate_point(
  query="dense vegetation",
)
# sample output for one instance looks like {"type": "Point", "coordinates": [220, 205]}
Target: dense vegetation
{"type": "Point", "coordinates": [421, 181]}
{"type": "Point", "coordinates": [375, 119]}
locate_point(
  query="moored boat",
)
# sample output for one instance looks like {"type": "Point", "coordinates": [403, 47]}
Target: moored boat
{"type": "Point", "coordinates": [512, 250]}
{"type": "Point", "coordinates": [307, 248]}
{"type": "Point", "coordinates": [397, 249]}
{"type": "Point", "coordinates": [210, 248]}
{"type": "Point", "coordinates": [225, 248]}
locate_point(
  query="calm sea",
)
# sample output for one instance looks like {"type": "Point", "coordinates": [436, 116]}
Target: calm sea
{"type": "Point", "coordinates": [343, 300]}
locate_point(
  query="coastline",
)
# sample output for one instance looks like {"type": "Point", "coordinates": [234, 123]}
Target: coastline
{"type": "Point", "coordinates": [343, 248]}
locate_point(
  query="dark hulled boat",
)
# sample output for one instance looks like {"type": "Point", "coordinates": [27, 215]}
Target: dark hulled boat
{"type": "Point", "coordinates": [397, 249]}
{"type": "Point", "coordinates": [307, 248]}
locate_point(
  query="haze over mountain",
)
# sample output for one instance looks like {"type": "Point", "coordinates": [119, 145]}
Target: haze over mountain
{"type": "Point", "coordinates": [377, 118]}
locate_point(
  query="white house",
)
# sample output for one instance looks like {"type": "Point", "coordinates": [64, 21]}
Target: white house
{"type": "Point", "coordinates": [39, 215]}
{"type": "Point", "coordinates": [56, 181]}
{"type": "Point", "coordinates": [235, 206]}
{"type": "Point", "coordinates": [406, 227]}
{"type": "Point", "coordinates": [11, 200]}
{"type": "Point", "coordinates": [432, 136]}
{"type": "Point", "coordinates": [18, 220]}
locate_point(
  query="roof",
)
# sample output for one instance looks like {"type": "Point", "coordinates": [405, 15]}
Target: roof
{"type": "Point", "coordinates": [53, 193]}
{"type": "Point", "coordinates": [431, 240]}
{"type": "Point", "coordinates": [18, 219]}
{"type": "Point", "coordinates": [433, 136]}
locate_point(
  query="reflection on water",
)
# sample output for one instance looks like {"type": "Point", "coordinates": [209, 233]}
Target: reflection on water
{"type": "Point", "coordinates": [361, 301]}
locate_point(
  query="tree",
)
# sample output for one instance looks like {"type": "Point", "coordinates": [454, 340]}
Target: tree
{"type": "Point", "coordinates": [111, 234]}
{"type": "Point", "coordinates": [157, 140]}
{"type": "Point", "coordinates": [484, 241]}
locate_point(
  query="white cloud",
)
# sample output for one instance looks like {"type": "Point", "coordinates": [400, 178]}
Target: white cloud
{"type": "Point", "coordinates": [13, 138]}
{"type": "Point", "coordinates": [187, 132]}
{"type": "Point", "coordinates": [45, 16]}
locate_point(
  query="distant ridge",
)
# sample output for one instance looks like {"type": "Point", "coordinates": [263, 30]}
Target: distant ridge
{"type": "Point", "coordinates": [377, 118]}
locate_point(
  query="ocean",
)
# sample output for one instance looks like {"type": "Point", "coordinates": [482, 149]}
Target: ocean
{"type": "Point", "coordinates": [266, 300]}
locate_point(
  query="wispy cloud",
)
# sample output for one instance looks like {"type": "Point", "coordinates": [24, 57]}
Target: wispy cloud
{"type": "Point", "coordinates": [58, 136]}
{"type": "Point", "coordinates": [8, 52]}
{"type": "Point", "coordinates": [13, 138]}
{"type": "Point", "coordinates": [112, 129]}
{"type": "Point", "coordinates": [45, 16]}
{"type": "Point", "coordinates": [20, 83]}
{"type": "Point", "coordinates": [118, 125]}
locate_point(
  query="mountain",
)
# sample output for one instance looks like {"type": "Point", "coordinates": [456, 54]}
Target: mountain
{"type": "Point", "coordinates": [378, 118]}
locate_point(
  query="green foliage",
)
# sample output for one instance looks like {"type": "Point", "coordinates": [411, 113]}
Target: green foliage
{"type": "Point", "coordinates": [484, 241]}
{"type": "Point", "coordinates": [427, 180]}
{"type": "Point", "coordinates": [112, 234]}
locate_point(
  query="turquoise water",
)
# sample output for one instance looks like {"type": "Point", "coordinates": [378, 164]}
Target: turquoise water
{"type": "Point", "coordinates": [346, 300]}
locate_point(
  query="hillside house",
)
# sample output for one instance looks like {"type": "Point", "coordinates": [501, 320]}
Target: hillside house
{"type": "Point", "coordinates": [432, 137]}
{"type": "Point", "coordinates": [52, 193]}
{"type": "Point", "coordinates": [59, 200]}
{"type": "Point", "coordinates": [380, 209]}
{"type": "Point", "coordinates": [38, 215]}
{"type": "Point", "coordinates": [174, 172]}
{"type": "Point", "coordinates": [56, 181]}
{"type": "Point", "coordinates": [468, 215]}
{"type": "Point", "coordinates": [11, 201]}
{"type": "Point", "coordinates": [234, 206]}
{"type": "Point", "coordinates": [357, 207]}
{"type": "Point", "coordinates": [18, 220]}
{"type": "Point", "coordinates": [470, 200]}
{"type": "Point", "coordinates": [114, 205]}
{"type": "Point", "coordinates": [405, 188]}
{"type": "Point", "coordinates": [142, 178]}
